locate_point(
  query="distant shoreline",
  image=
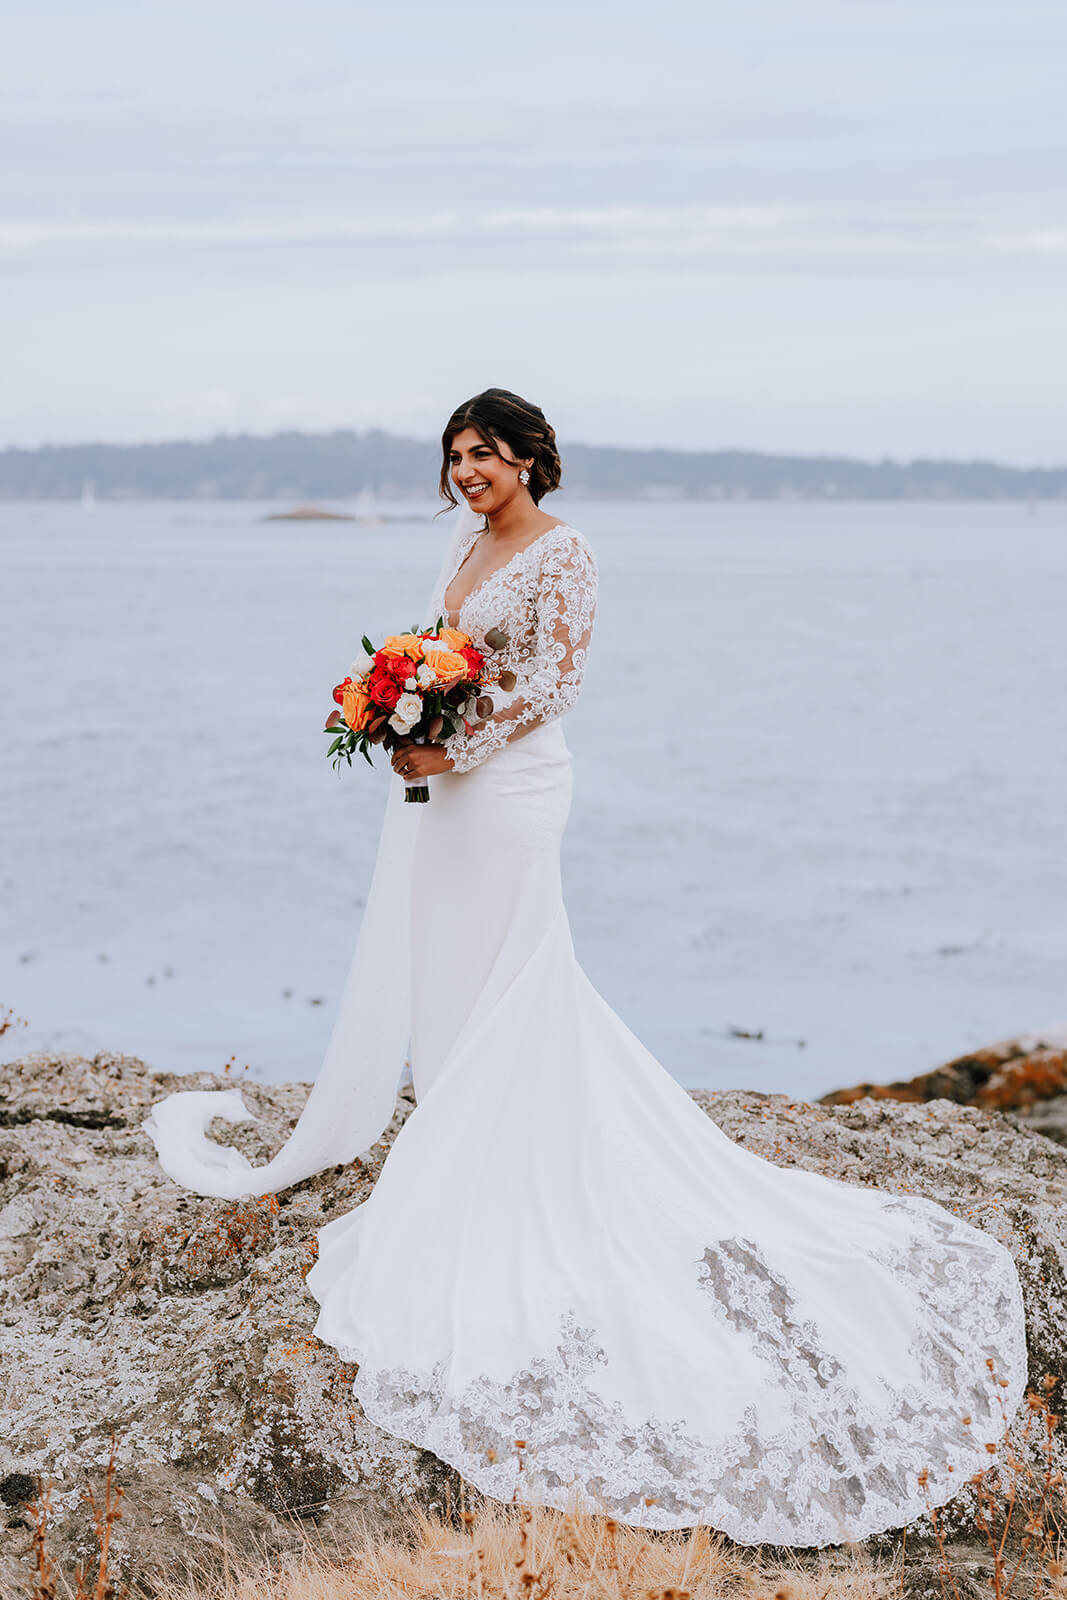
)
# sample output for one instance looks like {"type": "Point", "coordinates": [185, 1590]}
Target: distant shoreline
{"type": "Point", "coordinates": [375, 466]}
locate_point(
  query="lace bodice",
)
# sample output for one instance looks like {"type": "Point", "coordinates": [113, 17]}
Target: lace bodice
{"type": "Point", "coordinates": [544, 599]}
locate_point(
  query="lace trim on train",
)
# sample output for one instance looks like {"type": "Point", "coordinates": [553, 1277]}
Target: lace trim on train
{"type": "Point", "coordinates": [842, 1468]}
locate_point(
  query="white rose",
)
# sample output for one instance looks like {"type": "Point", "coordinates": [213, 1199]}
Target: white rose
{"type": "Point", "coordinates": [425, 675]}
{"type": "Point", "coordinates": [411, 683]}
{"type": "Point", "coordinates": [360, 665]}
{"type": "Point", "coordinates": [407, 712]}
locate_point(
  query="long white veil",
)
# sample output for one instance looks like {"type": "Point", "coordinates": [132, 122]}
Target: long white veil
{"type": "Point", "coordinates": [354, 1094]}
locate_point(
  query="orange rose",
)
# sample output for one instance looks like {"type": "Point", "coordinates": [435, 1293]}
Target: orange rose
{"type": "Point", "coordinates": [449, 668]}
{"type": "Point", "coordinates": [356, 707]}
{"type": "Point", "coordinates": [403, 644]}
{"type": "Point", "coordinates": [454, 638]}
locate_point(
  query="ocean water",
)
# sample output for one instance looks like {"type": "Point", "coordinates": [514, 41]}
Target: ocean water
{"type": "Point", "coordinates": [820, 766]}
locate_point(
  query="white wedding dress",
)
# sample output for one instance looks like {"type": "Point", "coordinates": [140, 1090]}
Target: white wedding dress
{"type": "Point", "coordinates": [562, 1249]}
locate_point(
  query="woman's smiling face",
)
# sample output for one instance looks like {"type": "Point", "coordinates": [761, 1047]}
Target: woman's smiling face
{"type": "Point", "coordinates": [482, 473]}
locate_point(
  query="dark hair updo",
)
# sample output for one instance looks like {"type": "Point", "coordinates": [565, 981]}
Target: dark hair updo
{"type": "Point", "coordinates": [501, 417]}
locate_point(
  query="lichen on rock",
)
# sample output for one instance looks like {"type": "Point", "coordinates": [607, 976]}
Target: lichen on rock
{"type": "Point", "coordinates": [184, 1324]}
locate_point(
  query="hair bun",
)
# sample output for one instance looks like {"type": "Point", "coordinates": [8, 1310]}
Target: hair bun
{"type": "Point", "coordinates": [501, 417]}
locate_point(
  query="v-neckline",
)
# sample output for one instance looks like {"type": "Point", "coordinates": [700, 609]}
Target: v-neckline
{"type": "Point", "coordinates": [503, 567]}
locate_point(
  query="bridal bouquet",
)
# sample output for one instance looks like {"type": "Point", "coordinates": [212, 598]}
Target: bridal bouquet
{"type": "Point", "coordinates": [416, 686]}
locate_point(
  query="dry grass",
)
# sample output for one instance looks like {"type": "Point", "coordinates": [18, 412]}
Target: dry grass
{"type": "Point", "coordinates": [47, 1583]}
{"type": "Point", "coordinates": [8, 1020]}
{"type": "Point", "coordinates": [516, 1552]}
{"type": "Point", "coordinates": [506, 1552]}
{"type": "Point", "coordinates": [1021, 1512]}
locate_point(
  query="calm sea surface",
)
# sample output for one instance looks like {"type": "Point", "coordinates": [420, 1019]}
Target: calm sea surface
{"type": "Point", "coordinates": [820, 769]}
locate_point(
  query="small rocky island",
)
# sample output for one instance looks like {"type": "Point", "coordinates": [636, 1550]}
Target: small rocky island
{"type": "Point", "coordinates": [183, 1327]}
{"type": "Point", "coordinates": [309, 514]}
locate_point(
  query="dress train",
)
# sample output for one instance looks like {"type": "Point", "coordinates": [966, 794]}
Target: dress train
{"type": "Point", "coordinates": [565, 1264]}
{"type": "Point", "coordinates": [562, 1249]}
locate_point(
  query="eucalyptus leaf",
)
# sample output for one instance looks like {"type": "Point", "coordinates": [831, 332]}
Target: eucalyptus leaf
{"type": "Point", "coordinates": [508, 681]}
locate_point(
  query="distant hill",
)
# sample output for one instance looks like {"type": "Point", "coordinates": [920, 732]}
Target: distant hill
{"type": "Point", "coordinates": [336, 466]}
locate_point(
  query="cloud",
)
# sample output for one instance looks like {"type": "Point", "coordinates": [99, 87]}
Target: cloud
{"type": "Point", "coordinates": [847, 219]}
{"type": "Point", "coordinates": [580, 238]}
{"type": "Point", "coordinates": [722, 184]}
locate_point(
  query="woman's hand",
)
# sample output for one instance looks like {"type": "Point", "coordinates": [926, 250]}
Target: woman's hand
{"type": "Point", "coordinates": [412, 760]}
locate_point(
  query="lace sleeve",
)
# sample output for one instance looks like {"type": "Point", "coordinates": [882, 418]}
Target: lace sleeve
{"type": "Point", "coordinates": [550, 673]}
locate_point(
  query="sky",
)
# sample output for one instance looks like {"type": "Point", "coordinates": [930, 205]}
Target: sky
{"type": "Point", "coordinates": [825, 225]}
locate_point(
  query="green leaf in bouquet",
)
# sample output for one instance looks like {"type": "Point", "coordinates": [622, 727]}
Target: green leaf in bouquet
{"type": "Point", "coordinates": [507, 681]}
{"type": "Point", "coordinates": [368, 647]}
{"type": "Point", "coordinates": [335, 746]}
{"type": "Point", "coordinates": [496, 638]}
{"type": "Point", "coordinates": [447, 729]}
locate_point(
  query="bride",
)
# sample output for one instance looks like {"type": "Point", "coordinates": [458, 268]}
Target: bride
{"type": "Point", "coordinates": [565, 1266]}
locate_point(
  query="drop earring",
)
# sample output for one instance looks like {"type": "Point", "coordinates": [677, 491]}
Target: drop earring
{"type": "Point", "coordinates": [524, 477]}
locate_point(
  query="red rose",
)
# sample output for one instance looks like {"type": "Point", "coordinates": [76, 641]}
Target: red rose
{"type": "Point", "coordinates": [384, 689]}
{"type": "Point", "coordinates": [401, 668]}
{"type": "Point", "coordinates": [339, 692]}
{"type": "Point", "coordinates": [474, 659]}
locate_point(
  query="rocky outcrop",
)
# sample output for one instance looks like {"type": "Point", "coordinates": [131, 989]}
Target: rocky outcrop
{"type": "Point", "coordinates": [1011, 1075]}
{"type": "Point", "coordinates": [183, 1325]}
{"type": "Point", "coordinates": [180, 1323]}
